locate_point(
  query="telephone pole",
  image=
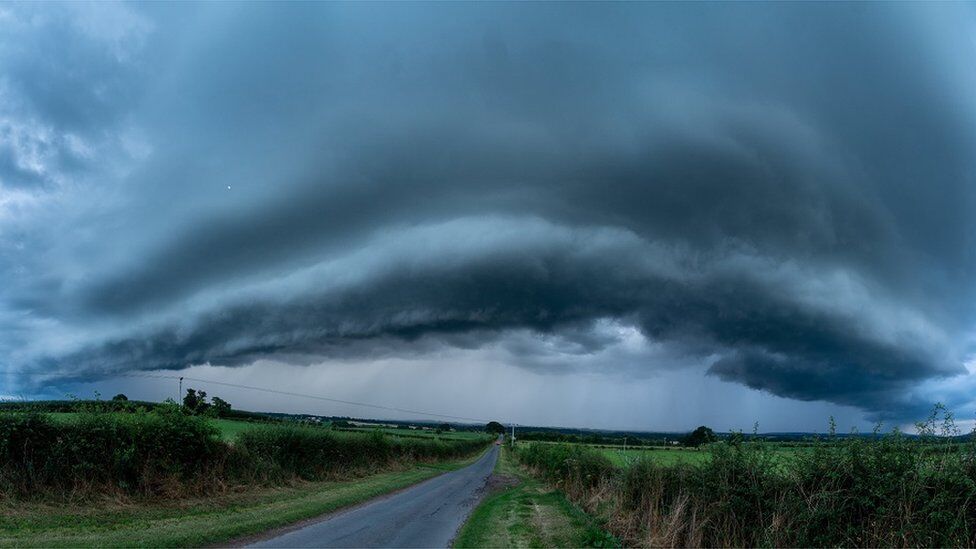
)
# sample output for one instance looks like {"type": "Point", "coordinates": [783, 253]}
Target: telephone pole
{"type": "Point", "coordinates": [513, 435]}
{"type": "Point", "coordinates": [179, 395]}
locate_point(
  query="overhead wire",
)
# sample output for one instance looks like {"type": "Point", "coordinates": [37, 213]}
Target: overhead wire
{"type": "Point", "coordinates": [273, 391]}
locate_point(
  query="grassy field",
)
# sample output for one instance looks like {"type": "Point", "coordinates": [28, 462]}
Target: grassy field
{"type": "Point", "coordinates": [624, 458]}
{"type": "Point", "coordinates": [673, 456]}
{"type": "Point", "coordinates": [447, 435]}
{"type": "Point", "coordinates": [528, 514]}
{"type": "Point", "coordinates": [229, 428]}
{"type": "Point", "coordinates": [199, 521]}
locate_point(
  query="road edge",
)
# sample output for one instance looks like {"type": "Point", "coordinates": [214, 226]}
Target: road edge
{"type": "Point", "coordinates": [251, 539]}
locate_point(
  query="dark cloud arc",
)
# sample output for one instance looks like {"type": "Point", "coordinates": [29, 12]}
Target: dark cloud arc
{"type": "Point", "coordinates": [781, 192]}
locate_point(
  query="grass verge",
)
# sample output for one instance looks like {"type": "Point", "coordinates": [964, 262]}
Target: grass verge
{"type": "Point", "coordinates": [197, 522]}
{"type": "Point", "coordinates": [528, 514]}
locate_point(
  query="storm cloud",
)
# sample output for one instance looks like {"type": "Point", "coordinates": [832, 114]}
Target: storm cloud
{"type": "Point", "coordinates": [783, 194]}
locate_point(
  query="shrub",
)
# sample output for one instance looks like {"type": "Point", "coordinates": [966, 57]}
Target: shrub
{"type": "Point", "coordinates": [134, 452]}
{"type": "Point", "coordinates": [282, 451]}
{"type": "Point", "coordinates": [889, 490]}
{"type": "Point", "coordinates": [574, 468]}
{"type": "Point", "coordinates": [168, 452]}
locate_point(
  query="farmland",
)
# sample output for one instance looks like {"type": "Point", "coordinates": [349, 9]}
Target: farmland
{"type": "Point", "coordinates": [420, 433]}
{"type": "Point", "coordinates": [625, 457]}
{"type": "Point", "coordinates": [666, 456]}
{"type": "Point", "coordinates": [231, 428]}
{"type": "Point", "coordinates": [228, 428]}
{"type": "Point", "coordinates": [890, 490]}
{"type": "Point", "coordinates": [111, 475]}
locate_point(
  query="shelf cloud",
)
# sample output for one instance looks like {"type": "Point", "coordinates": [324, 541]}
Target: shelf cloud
{"type": "Point", "coordinates": [782, 195]}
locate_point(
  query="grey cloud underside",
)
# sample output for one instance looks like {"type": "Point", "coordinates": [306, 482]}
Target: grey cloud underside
{"type": "Point", "coordinates": [556, 283]}
{"type": "Point", "coordinates": [59, 106]}
{"type": "Point", "coordinates": [745, 185]}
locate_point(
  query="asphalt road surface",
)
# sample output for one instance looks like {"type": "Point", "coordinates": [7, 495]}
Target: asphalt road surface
{"type": "Point", "coordinates": [428, 514]}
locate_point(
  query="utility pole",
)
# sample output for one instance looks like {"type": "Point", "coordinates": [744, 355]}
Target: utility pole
{"type": "Point", "coordinates": [513, 435]}
{"type": "Point", "coordinates": [179, 395]}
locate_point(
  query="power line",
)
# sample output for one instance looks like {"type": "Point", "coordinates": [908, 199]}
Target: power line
{"type": "Point", "coordinates": [315, 397]}
{"type": "Point", "coordinates": [262, 389]}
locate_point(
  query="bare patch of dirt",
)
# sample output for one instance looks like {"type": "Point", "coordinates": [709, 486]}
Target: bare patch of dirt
{"type": "Point", "coordinates": [498, 482]}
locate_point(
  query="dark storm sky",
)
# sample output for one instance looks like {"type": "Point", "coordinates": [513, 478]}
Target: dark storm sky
{"type": "Point", "coordinates": [772, 200]}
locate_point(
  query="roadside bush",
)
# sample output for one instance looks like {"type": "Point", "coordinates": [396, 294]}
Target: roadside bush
{"type": "Point", "coordinates": [276, 452]}
{"type": "Point", "coordinates": [576, 469]}
{"type": "Point", "coordinates": [889, 490]}
{"type": "Point", "coordinates": [134, 452]}
{"type": "Point", "coordinates": [166, 452]}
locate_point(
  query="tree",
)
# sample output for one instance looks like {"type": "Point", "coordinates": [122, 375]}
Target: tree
{"type": "Point", "coordinates": [701, 435]}
{"type": "Point", "coordinates": [443, 428]}
{"type": "Point", "coordinates": [220, 406]}
{"type": "Point", "coordinates": [494, 427]}
{"type": "Point", "coordinates": [195, 401]}
{"type": "Point", "coordinates": [120, 398]}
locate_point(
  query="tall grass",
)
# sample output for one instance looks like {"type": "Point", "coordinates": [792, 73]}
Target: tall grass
{"type": "Point", "coordinates": [164, 452]}
{"type": "Point", "coordinates": [891, 490]}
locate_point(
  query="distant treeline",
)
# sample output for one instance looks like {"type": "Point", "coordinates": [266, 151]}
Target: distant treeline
{"type": "Point", "coordinates": [399, 433]}
{"type": "Point", "coordinates": [162, 451]}
{"type": "Point", "coordinates": [125, 405]}
{"type": "Point", "coordinates": [890, 490]}
{"type": "Point", "coordinates": [596, 439]}
{"type": "Point", "coordinates": [671, 439]}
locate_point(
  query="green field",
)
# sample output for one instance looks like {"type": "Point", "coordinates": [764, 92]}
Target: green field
{"type": "Point", "coordinates": [425, 433]}
{"type": "Point", "coordinates": [673, 456]}
{"type": "Point", "coordinates": [229, 428]}
{"type": "Point", "coordinates": [623, 458]}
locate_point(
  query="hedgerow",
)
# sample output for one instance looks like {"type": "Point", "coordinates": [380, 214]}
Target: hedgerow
{"type": "Point", "coordinates": [132, 452]}
{"type": "Point", "coordinates": [166, 452]}
{"type": "Point", "coordinates": [285, 451]}
{"type": "Point", "coordinates": [890, 490]}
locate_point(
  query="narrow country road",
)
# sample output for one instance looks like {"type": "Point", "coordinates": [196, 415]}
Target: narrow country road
{"type": "Point", "coordinates": [426, 515]}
